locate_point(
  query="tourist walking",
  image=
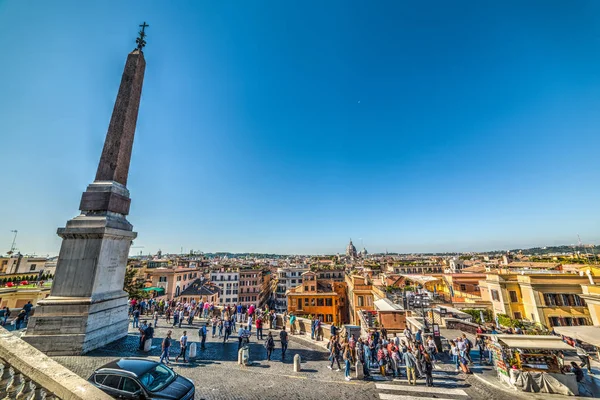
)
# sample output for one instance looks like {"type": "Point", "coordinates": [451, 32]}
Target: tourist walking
{"type": "Point", "coordinates": [334, 353]}
{"type": "Point", "coordinates": [468, 347]}
{"type": "Point", "coordinates": [269, 345]}
{"type": "Point", "coordinates": [283, 337]}
{"type": "Point", "coordinates": [347, 357]}
{"type": "Point", "coordinates": [381, 360]}
{"type": "Point", "coordinates": [20, 319]}
{"type": "Point", "coordinates": [181, 315]}
{"type": "Point", "coordinates": [136, 318]}
{"type": "Point", "coordinates": [202, 335]}
{"type": "Point", "coordinates": [259, 328]}
{"type": "Point", "coordinates": [175, 318]}
{"type": "Point", "coordinates": [156, 318]}
{"type": "Point", "coordinates": [182, 346]}
{"type": "Point", "coordinates": [428, 370]}
{"type": "Point", "coordinates": [227, 329]}
{"type": "Point", "coordinates": [292, 324]}
{"type": "Point", "coordinates": [410, 362]}
{"type": "Point", "coordinates": [166, 346]}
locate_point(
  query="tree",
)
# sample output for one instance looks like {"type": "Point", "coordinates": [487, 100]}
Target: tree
{"type": "Point", "coordinates": [132, 285]}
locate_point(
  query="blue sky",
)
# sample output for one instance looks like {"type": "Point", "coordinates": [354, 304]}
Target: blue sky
{"type": "Point", "coordinates": [291, 126]}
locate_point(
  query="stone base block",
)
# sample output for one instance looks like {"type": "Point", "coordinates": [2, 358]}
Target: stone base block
{"type": "Point", "coordinates": [73, 326]}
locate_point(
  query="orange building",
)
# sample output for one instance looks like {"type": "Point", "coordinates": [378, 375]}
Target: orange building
{"type": "Point", "coordinates": [316, 297]}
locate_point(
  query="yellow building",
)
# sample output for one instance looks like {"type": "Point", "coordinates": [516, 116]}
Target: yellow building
{"type": "Point", "coordinates": [552, 299]}
{"type": "Point", "coordinates": [360, 296]}
{"type": "Point", "coordinates": [17, 297]}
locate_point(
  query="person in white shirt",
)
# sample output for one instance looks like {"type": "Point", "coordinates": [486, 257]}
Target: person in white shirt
{"type": "Point", "coordinates": [249, 323]}
{"type": "Point", "coordinates": [183, 345]}
{"type": "Point", "coordinates": [181, 317]}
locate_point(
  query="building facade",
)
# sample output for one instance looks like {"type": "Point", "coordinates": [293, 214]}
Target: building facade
{"type": "Point", "coordinates": [359, 295]}
{"type": "Point", "coordinates": [253, 286]}
{"type": "Point", "coordinates": [552, 299]}
{"type": "Point", "coordinates": [323, 299]}
{"type": "Point", "coordinates": [172, 280]}
{"type": "Point", "coordinates": [227, 279]}
{"type": "Point", "coordinates": [287, 278]}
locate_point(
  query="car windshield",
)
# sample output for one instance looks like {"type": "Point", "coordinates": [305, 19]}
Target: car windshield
{"type": "Point", "coordinates": [157, 378]}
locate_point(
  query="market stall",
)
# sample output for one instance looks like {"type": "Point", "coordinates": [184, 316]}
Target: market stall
{"type": "Point", "coordinates": [529, 363]}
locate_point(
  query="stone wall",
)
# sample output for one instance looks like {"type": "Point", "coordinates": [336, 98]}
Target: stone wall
{"type": "Point", "coordinates": [469, 327]}
{"type": "Point", "coordinates": [302, 325]}
{"type": "Point", "coordinates": [33, 371]}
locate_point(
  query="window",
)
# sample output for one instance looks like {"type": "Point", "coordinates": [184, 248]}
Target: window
{"type": "Point", "coordinates": [299, 303]}
{"type": "Point", "coordinates": [99, 378]}
{"type": "Point", "coordinates": [112, 381]}
{"type": "Point", "coordinates": [179, 278]}
{"type": "Point", "coordinates": [463, 287]}
{"type": "Point", "coordinates": [129, 385]}
{"type": "Point", "coordinates": [185, 277]}
{"type": "Point", "coordinates": [320, 302]}
{"type": "Point", "coordinates": [361, 301]}
{"type": "Point", "coordinates": [563, 300]}
{"type": "Point", "coordinates": [312, 288]}
{"type": "Point", "coordinates": [306, 302]}
{"type": "Point", "coordinates": [306, 288]}
{"type": "Point", "coordinates": [518, 315]}
{"type": "Point", "coordinates": [513, 298]}
{"type": "Point", "coordinates": [32, 268]}
{"type": "Point", "coordinates": [328, 318]}
{"type": "Point", "coordinates": [328, 302]}
{"type": "Point", "coordinates": [162, 278]}
{"type": "Point", "coordinates": [495, 295]}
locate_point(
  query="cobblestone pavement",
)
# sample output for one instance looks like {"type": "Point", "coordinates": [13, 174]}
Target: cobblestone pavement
{"type": "Point", "coordinates": [218, 376]}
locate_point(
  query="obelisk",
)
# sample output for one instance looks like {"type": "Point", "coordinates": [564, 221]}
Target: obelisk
{"type": "Point", "coordinates": [87, 306]}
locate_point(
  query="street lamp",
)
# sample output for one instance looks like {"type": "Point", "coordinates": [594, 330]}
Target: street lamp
{"type": "Point", "coordinates": [423, 304]}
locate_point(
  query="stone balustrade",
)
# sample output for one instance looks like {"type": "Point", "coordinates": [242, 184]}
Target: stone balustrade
{"type": "Point", "coordinates": [28, 374]}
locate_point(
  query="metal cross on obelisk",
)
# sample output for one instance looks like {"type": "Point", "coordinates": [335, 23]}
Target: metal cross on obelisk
{"type": "Point", "coordinates": [141, 41]}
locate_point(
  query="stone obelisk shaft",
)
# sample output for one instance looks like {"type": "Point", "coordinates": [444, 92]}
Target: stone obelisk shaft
{"type": "Point", "coordinates": [116, 155]}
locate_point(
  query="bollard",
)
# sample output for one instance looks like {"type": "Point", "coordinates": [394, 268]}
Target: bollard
{"type": "Point", "coordinates": [360, 373]}
{"type": "Point", "coordinates": [148, 345]}
{"type": "Point", "coordinates": [192, 351]}
{"type": "Point", "coordinates": [244, 356]}
{"type": "Point", "coordinates": [297, 366]}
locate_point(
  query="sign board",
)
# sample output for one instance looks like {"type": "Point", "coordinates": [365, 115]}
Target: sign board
{"type": "Point", "coordinates": [436, 330]}
{"type": "Point", "coordinates": [443, 312]}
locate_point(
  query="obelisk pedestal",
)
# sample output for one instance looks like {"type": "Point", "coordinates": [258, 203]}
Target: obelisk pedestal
{"type": "Point", "coordinates": [87, 307]}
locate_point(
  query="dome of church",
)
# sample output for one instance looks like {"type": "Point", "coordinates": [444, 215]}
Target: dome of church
{"type": "Point", "coordinates": [351, 250]}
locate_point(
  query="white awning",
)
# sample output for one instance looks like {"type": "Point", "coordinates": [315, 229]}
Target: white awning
{"type": "Point", "coordinates": [386, 305]}
{"type": "Point", "coordinates": [534, 342]}
{"type": "Point", "coordinates": [587, 334]}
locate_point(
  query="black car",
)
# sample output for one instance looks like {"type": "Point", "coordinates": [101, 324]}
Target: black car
{"type": "Point", "coordinates": [139, 378]}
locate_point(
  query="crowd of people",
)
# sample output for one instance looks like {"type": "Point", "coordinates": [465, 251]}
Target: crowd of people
{"type": "Point", "coordinates": [414, 353]}
{"type": "Point", "coordinates": [222, 321]}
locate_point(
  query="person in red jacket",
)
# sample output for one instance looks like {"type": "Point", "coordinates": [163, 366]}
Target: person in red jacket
{"type": "Point", "coordinates": [259, 328]}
